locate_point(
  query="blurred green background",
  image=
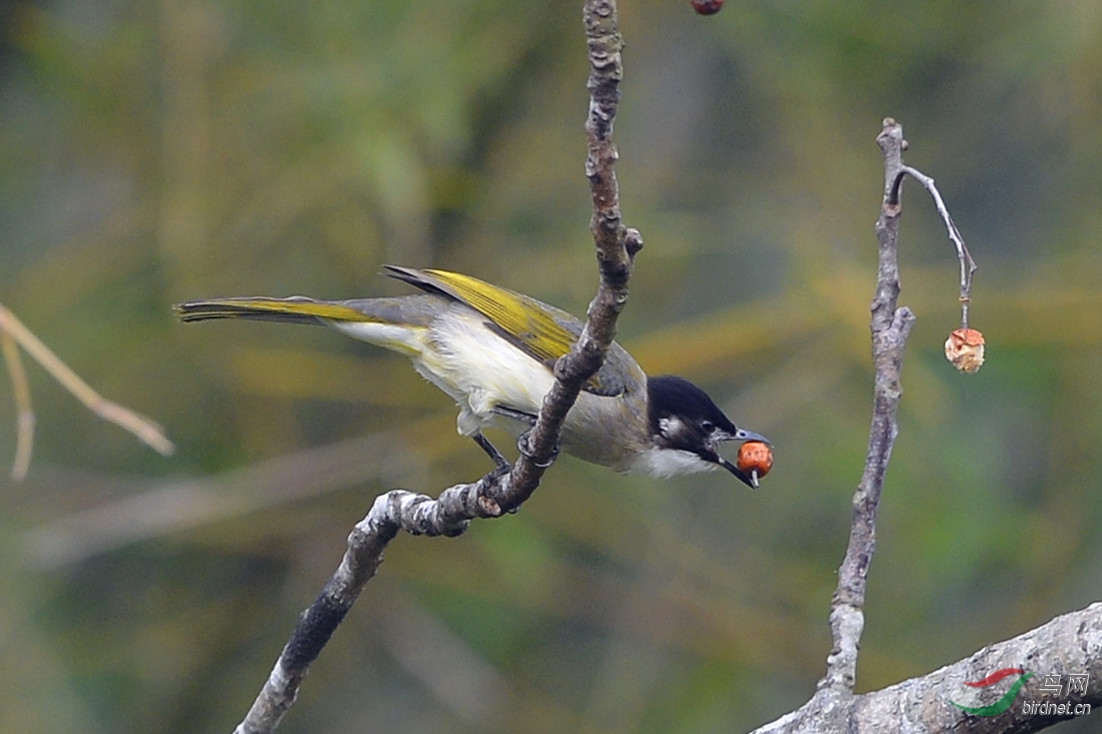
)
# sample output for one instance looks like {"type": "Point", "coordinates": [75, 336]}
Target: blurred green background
{"type": "Point", "coordinates": [155, 152]}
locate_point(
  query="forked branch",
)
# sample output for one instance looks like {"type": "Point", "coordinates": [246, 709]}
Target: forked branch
{"type": "Point", "coordinates": [13, 335]}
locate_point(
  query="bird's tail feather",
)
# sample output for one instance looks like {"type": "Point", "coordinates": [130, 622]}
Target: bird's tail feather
{"type": "Point", "coordinates": [296, 309]}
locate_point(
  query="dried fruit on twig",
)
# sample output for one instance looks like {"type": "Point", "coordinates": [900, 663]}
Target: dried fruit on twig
{"type": "Point", "coordinates": [707, 7]}
{"type": "Point", "coordinates": [964, 348]}
{"type": "Point", "coordinates": [755, 459]}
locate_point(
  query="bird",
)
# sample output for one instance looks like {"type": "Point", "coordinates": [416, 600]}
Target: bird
{"type": "Point", "coordinates": [492, 350]}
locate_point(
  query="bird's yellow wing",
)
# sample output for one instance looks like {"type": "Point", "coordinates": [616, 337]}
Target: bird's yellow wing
{"type": "Point", "coordinates": [542, 331]}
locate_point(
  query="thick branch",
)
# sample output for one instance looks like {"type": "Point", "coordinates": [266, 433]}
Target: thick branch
{"type": "Point", "coordinates": [1067, 645]}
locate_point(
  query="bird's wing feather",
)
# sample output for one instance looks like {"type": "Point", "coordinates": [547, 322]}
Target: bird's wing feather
{"type": "Point", "coordinates": [542, 331]}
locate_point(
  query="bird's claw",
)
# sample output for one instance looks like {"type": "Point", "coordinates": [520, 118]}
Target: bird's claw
{"type": "Point", "coordinates": [523, 448]}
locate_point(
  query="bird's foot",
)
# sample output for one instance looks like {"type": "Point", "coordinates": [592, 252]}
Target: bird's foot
{"type": "Point", "coordinates": [525, 450]}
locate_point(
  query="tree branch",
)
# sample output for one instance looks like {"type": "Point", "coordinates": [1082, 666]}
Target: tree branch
{"type": "Point", "coordinates": [616, 248]}
{"type": "Point", "coordinates": [967, 264]}
{"type": "Point", "coordinates": [1068, 645]}
{"type": "Point", "coordinates": [496, 493]}
{"type": "Point", "coordinates": [890, 327]}
{"type": "Point", "coordinates": [14, 334]}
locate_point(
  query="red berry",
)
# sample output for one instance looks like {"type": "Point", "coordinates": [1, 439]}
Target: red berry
{"type": "Point", "coordinates": [755, 458]}
{"type": "Point", "coordinates": [707, 7]}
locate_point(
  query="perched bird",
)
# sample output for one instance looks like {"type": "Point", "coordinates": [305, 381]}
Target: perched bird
{"type": "Point", "coordinates": [492, 350]}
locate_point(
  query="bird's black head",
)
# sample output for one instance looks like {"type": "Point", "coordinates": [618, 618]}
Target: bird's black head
{"type": "Point", "coordinates": [687, 427]}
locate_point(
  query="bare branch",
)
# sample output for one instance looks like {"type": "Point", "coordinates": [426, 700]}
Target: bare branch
{"type": "Point", "coordinates": [497, 492]}
{"type": "Point", "coordinates": [616, 248]}
{"type": "Point", "coordinates": [890, 328]}
{"type": "Point", "coordinates": [14, 331]}
{"type": "Point", "coordinates": [967, 264]}
{"type": "Point", "coordinates": [1071, 643]}
{"type": "Point", "coordinates": [21, 391]}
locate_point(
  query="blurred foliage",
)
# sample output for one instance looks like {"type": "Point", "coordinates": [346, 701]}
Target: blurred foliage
{"type": "Point", "coordinates": [153, 152]}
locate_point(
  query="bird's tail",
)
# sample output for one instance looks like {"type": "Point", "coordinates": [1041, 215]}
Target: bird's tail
{"type": "Point", "coordinates": [296, 309]}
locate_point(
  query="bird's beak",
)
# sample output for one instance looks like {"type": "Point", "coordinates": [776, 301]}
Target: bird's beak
{"type": "Point", "coordinates": [743, 435]}
{"type": "Point", "coordinates": [750, 479]}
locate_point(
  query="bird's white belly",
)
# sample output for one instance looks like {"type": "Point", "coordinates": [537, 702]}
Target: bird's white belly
{"type": "Point", "coordinates": [481, 370]}
{"type": "Point", "coordinates": [463, 357]}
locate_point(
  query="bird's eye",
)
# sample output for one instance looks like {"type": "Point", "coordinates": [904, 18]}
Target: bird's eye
{"type": "Point", "coordinates": [707, 426]}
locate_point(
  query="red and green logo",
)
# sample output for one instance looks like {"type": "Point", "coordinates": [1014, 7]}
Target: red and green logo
{"type": "Point", "coordinates": [1003, 703]}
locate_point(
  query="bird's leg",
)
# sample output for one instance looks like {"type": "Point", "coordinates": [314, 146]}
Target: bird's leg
{"type": "Point", "coordinates": [500, 461]}
{"type": "Point", "coordinates": [517, 415]}
{"type": "Point", "coordinates": [502, 464]}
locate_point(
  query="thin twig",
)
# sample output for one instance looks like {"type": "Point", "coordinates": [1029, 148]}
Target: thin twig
{"type": "Point", "coordinates": [967, 264]}
{"type": "Point", "coordinates": [21, 391]}
{"type": "Point", "coordinates": [496, 493]}
{"type": "Point", "coordinates": [144, 428]}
